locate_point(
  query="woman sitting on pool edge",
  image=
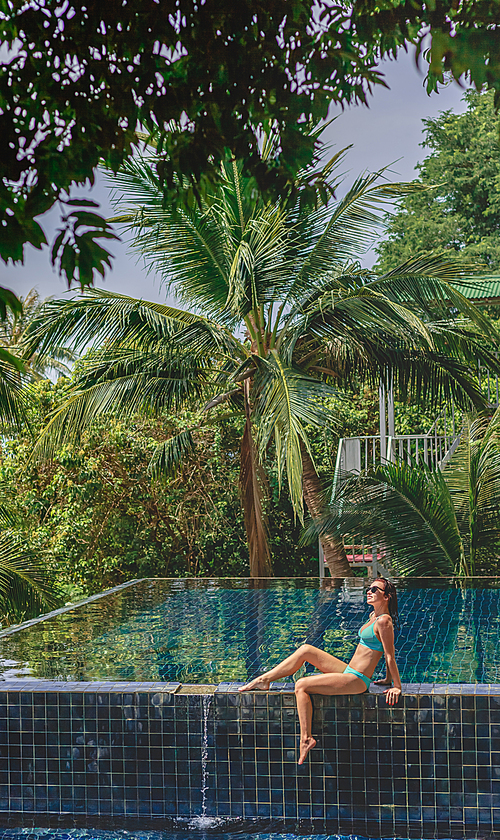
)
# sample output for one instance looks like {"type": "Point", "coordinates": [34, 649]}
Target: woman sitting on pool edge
{"type": "Point", "coordinates": [376, 638]}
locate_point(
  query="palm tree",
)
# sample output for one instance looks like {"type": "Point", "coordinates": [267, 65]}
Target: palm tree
{"type": "Point", "coordinates": [12, 398]}
{"type": "Point", "coordinates": [278, 314]}
{"type": "Point", "coordinates": [26, 586]}
{"type": "Point", "coordinates": [12, 339]}
{"type": "Point", "coordinates": [26, 589]}
{"type": "Point", "coordinates": [432, 522]}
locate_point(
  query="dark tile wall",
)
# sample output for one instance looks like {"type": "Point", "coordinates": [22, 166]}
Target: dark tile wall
{"type": "Point", "coordinates": [142, 749]}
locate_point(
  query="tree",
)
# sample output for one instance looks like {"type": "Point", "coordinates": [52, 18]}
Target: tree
{"type": "Point", "coordinates": [285, 313]}
{"type": "Point", "coordinates": [96, 518]}
{"type": "Point", "coordinates": [457, 38]}
{"type": "Point", "coordinates": [460, 210]}
{"type": "Point", "coordinates": [432, 522]}
{"type": "Point", "coordinates": [12, 335]}
{"type": "Point", "coordinates": [77, 80]}
{"type": "Point", "coordinates": [12, 397]}
{"type": "Point", "coordinates": [25, 585]}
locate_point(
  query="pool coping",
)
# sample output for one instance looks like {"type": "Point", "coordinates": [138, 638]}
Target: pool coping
{"type": "Point", "coordinates": [129, 687]}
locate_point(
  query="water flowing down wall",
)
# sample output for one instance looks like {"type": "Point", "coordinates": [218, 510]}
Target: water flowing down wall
{"type": "Point", "coordinates": [157, 750]}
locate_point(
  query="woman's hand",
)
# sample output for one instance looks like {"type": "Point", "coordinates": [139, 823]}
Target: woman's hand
{"type": "Point", "coordinates": [392, 695]}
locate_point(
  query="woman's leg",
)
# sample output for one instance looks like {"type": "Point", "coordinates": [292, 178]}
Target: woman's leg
{"type": "Point", "coordinates": [320, 684]}
{"type": "Point", "coordinates": [321, 660]}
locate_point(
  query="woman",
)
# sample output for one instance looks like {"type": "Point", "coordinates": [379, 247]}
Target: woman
{"type": "Point", "coordinates": [376, 638]}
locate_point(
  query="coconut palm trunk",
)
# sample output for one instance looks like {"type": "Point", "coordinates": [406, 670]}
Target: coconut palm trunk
{"type": "Point", "coordinates": [252, 491]}
{"type": "Point", "coordinates": [333, 549]}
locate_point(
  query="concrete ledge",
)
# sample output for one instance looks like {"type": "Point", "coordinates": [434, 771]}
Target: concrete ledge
{"type": "Point", "coordinates": [36, 685]}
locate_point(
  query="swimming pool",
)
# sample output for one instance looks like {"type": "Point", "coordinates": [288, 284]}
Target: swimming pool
{"type": "Point", "coordinates": [126, 749]}
{"type": "Point", "coordinates": [217, 630]}
{"type": "Point", "coordinates": [244, 833]}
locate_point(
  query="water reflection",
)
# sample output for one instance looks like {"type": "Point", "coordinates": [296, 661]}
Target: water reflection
{"type": "Point", "coordinates": [209, 631]}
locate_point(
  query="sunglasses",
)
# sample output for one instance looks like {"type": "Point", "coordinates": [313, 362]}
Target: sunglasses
{"type": "Point", "coordinates": [374, 589]}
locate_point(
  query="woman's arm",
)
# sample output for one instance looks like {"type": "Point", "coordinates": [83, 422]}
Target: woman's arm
{"type": "Point", "coordinates": [386, 630]}
{"type": "Point", "coordinates": [387, 680]}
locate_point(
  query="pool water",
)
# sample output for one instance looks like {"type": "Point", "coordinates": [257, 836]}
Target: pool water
{"type": "Point", "coordinates": [217, 630]}
{"type": "Point", "coordinates": [89, 834]}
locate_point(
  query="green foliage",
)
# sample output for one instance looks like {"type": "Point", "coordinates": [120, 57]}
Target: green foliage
{"type": "Point", "coordinates": [76, 82]}
{"type": "Point", "coordinates": [463, 36]}
{"type": "Point", "coordinates": [459, 211]}
{"type": "Point", "coordinates": [210, 76]}
{"type": "Point", "coordinates": [97, 518]}
{"type": "Point", "coordinates": [77, 252]}
{"type": "Point", "coordinates": [358, 414]}
{"type": "Point", "coordinates": [286, 313]}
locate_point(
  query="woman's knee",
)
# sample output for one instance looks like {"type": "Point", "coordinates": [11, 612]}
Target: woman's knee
{"type": "Point", "coordinates": [300, 685]}
{"type": "Point", "coordinates": [306, 650]}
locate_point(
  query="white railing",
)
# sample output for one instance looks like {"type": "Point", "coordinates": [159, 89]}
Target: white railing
{"type": "Point", "coordinates": [358, 455]}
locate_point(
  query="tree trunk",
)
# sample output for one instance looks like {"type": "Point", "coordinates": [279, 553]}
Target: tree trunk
{"type": "Point", "coordinates": [334, 552]}
{"type": "Point", "coordinates": [252, 492]}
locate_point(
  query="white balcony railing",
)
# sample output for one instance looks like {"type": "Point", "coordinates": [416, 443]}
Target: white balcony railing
{"type": "Point", "coordinates": [359, 455]}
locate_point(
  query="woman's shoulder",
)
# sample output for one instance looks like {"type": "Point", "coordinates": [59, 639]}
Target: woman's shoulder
{"type": "Point", "coordinates": [385, 620]}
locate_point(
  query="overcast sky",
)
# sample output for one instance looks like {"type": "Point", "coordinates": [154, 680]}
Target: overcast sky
{"type": "Point", "coordinates": [389, 130]}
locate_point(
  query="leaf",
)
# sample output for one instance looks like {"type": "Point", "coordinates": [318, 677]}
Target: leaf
{"type": "Point", "coordinates": [286, 401]}
{"type": "Point", "coordinates": [12, 360]}
{"type": "Point", "coordinates": [80, 254]}
{"type": "Point", "coordinates": [81, 202]}
{"type": "Point", "coordinates": [8, 300]}
{"type": "Point", "coordinates": [25, 583]}
{"type": "Point", "coordinates": [168, 455]}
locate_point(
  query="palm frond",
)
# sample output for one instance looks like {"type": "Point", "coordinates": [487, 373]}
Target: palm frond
{"type": "Point", "coordinates": [428, 282]}
{"type": "Point", "coordinates": [26, 587]}
{"type": "Point", "coordinates": [14, 397]}
{"type": "Point", "coordinates": [473, 479]}
{"type": "Point", "coordinates": [186, 247]}
{"type": "Point", "coordinates": [405, 509]}
{"type": "Point", "coordinates": [7, 515]}
{"type": "Point", "coordinates": [121, 396]}
{"type": "Point", "coordinates": [287, 401]}
{"type": "Point", "coordinates": [168, 455]}
{"type": "Point", "coordinates": [353, 315]}
{"type": "Point", "coordinates": [344, 232]}
{"type": "Point", "coordinates": [339, 345]}
{"type": "Point", "coordinates": [99, 316]}
{"type": "Point", "coordinates": [461, 339]}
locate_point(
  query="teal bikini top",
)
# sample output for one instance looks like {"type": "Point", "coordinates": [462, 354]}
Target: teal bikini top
{"type": "Point", "coordinates": [369, 639]}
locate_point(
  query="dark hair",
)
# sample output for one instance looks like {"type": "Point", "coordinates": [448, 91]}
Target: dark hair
{"type": "Point", "coordinates": [390, 590]}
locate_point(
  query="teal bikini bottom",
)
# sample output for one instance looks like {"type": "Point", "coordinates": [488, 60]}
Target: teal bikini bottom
{"type": "Point", "coordinates": [365, 679]}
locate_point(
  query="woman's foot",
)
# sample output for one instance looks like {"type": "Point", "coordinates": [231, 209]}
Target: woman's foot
{"type": "Point", "coordinates": [306, 746]}
{"type": "Point", "coordinates": [258, 684]}
{"type": "Point", "coordinates": [382, 682]}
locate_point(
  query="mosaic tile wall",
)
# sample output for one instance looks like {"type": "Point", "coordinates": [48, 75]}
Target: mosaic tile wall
{"type": "Point", "coordinates": [137, 749]}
